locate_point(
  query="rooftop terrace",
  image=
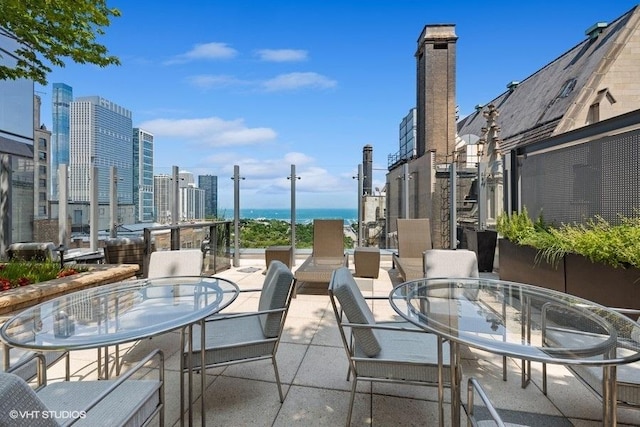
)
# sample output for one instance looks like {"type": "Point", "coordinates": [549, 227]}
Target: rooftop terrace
{"type": "Point", "coordinates": [313, 368]}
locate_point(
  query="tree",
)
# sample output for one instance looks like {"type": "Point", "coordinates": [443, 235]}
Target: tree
{"type": "Point", "coordinates": [49, 32]}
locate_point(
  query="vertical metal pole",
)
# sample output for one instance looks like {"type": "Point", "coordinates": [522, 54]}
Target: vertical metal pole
{"type": "Point", "coordinates": [63, 200]}
{"type": "Point", "coordinates": [236, 216]}
{"type": "Point", "coordinates": [113, 202]}
{"type": "Point", "coordinates": [405, 190]}
{"type": "Point", "coordinates": [93, 215]}
{"type": "Point", "coordinates": [175, 191]}
{"type": "Point", "coordinates": [454, 214]}
{"type": "Point", "coordinates": [293, 178]}
{"type": "Point", "coordinates": [360, 205]}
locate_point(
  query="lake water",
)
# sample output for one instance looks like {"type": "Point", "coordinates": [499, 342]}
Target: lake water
{"type": "Point", "coordinates": [302, 215]}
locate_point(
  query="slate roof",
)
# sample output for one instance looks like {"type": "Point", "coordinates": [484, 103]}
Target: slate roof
{"type": "Point", "coordinates": [535, 108]}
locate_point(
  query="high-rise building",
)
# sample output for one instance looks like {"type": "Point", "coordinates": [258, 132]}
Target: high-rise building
{"type": "Point", "coordinates": [209, 183]}
{"type": "Point", "coordinates": [191, 203]}
{"type": "Point", "coordinates": [61, 100]}
{"type": "Point", "coordinates": [101, 134]}
{"type": "Point", "coordinates": [162, 198]}
{"type": "Point", "coordinates": [16, 152]}
{"type": "Point", "coordinates": [143, 175]}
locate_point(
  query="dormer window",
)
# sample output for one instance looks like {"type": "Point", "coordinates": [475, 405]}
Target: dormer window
{"type": "Point", "coordinates": [567, 87]}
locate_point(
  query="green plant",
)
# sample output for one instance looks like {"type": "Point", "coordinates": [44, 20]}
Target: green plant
{"type": "Point", "coordinates": [14, 274]}
{"type": "Point", "coordinates": [597, 240]}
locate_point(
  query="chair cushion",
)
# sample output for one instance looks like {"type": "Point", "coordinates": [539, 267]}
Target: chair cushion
{"type": "Point", "coordinates": [274, 295]}
{"type": "Point", "coordinates": [184, 262]}
{"type": "Point", "coordinates": [229, 340]}
{"type": "Point", "coordinates": [130, 404]}
{"type": "Point", "coordinates": [16, 395]}
{"type": "Point", "coordinates": [355, 307]}
{"type": "Point", "coordinates": [450, 263]}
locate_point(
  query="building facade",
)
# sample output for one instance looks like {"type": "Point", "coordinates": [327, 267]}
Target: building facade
{"type": "Point", "coordinates": [101, 134]}
{"type": "Point", "coordinates": [143, 175]}
{"type": "Point", "coordinates": [16, 153]}
{"type": "Point", "coordinates": [209, 184]}
{"type": "Point", "coordinates": [41, 159]}
{"type": "Point", "coordinates": [162, 198]}
{"type": "Point", "coordinates": [61, 110]}
{"type": "Point", "coordinates": [412, 190]}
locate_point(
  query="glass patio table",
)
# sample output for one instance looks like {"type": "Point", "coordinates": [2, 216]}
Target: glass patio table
{"type": "Point", "coordinates": [516, 320]}
{"type": "Point", "coordinates": [118, 313]}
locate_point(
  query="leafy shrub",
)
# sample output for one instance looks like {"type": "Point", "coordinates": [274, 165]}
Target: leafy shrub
{"type": "Point", "coordinates": [14, 274]}
{"type": "Point", "coordinates": [596, 239]}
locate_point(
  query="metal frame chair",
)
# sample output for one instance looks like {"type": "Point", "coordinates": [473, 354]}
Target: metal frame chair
{"type": "Point", "coordinates": [385, 351]}
{"type": "Point", "coordinates": [243, 337]}
{"type": "Point", "coordinates": [124, 401]}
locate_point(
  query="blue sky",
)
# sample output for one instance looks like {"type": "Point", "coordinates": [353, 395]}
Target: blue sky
{"type": "Point", "coordinates": [268, 84]}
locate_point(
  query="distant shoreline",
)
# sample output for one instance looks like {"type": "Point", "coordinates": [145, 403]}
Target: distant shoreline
{"type": "Point", "coordinates": [305, 215]}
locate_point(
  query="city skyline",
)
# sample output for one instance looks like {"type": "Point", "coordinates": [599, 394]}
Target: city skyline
{"type": "Point", "coordinates": [306, 84]}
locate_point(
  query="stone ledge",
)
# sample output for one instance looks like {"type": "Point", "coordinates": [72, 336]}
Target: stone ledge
{"type": "Point", "coordinates": [21, 298]}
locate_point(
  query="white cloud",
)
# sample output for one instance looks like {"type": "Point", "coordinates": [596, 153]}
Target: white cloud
{"type": "Point", "coordinates": [209, 81]}
{"type": "Point", "coordinates": [211, 131]}
{"type": "Point", "coordinates": [282, 55]}
{"type": "Point", "coordinates": [293, 81]}
{"type": "Point", "coordinates": [212, 50]}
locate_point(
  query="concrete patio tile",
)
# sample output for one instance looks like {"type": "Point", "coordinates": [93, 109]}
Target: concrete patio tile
{"type": "Point", "coordinates": [328, 333]}
{"type": "Point", "coordinates": [300, 330]}
{"type": "Point", "coordinates": [289, 358]}
{"type": "Point", "coordinates": [390, 410]}
{"type": "Point", "coordinates": [326, 367]}
{"type": "Point", "coordinates": [240, 402]}
{"type": "Point", "coordinates": [310, 407]}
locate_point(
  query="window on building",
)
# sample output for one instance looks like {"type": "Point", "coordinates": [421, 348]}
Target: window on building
{"type": "Point", "coordinates": [594, 113]}
{"type": "Point", "coordinates": [567, 87]}
{"type": "Point", "coordinates": [42, 143]}
{"type": "Point", "coordinates": [42, 155]}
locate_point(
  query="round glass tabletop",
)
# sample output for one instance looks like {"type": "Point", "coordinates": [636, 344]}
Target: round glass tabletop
{"type": "Point", "coordinates": [519, 320]}
{"type": "Point", "coordinates": [118, 312]}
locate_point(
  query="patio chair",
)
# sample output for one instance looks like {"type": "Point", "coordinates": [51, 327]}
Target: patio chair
{"type": "Point", "coordinates": [185, 262]}
{"type": "Point", "coordinates": [27, 365]}
{"type": "Point", "coordinates": [328, 253]}
{"type": "Point", "coordinates": [121, 402]}
{"type": "Point", "coordinates": [414, 237]}
{"type": "Point", "coordinates": [246, 337]}
{"type": "Point", "coordinates": [457, 263]}
{"type": "Point", "coordinates": [474, 387]}
{"type": "Point", "coordinates": [628, 375]}
{"type": "Point", "coordinates": [384, 351]}
{"type": "Point", "coordinates": [125, 250]}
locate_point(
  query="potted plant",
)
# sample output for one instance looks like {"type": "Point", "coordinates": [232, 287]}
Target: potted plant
{"type": "Point", "coordinates": [596, 260]}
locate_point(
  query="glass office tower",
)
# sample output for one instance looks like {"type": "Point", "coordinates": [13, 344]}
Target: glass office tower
{"type": "Point", "coordinates": [61, 99]}
{"type": "Point", "coordinates": [101, 134]}
{"type": "Point", "coordinates": [143, 175]}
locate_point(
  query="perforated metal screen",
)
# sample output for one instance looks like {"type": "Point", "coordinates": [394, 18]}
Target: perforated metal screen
{"type": "Point", "coordinates": [571, 184]}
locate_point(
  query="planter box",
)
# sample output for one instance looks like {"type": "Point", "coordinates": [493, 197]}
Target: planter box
{"type": "Point", "coordinates": [613, 287]}
{"type": "Point", "coordinates": [21, 298]}
{"type": "Point", "coordinates": [574, 274]}
{"type": "Point", "coordinates": [518, 264]}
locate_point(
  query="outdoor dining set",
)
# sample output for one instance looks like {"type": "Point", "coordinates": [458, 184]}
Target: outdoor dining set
{"type": "Point", "coordinates": [441, 305]}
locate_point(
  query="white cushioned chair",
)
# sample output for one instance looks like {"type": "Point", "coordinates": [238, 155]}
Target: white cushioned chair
{"type": "Point", "coordinates": [121, 402]}
{"type": "Point", "coordinates": [383, 351]}
{"type": "Point", "coordinates": [246, 337]}
{"type": "Point", "coordinates": [184, 262]}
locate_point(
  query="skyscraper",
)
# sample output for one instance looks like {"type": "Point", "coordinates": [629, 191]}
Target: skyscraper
{"type": "Point", "coordinates": [61, 99]}
{"type": "Point", "coordinates": [162, 198]}
{"type": "Point", "coordinates": [209, 183]}
{"type": "Point", "coordinates": [143, 175]}
{"type": "Point", "coordinates": [101, 134]}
